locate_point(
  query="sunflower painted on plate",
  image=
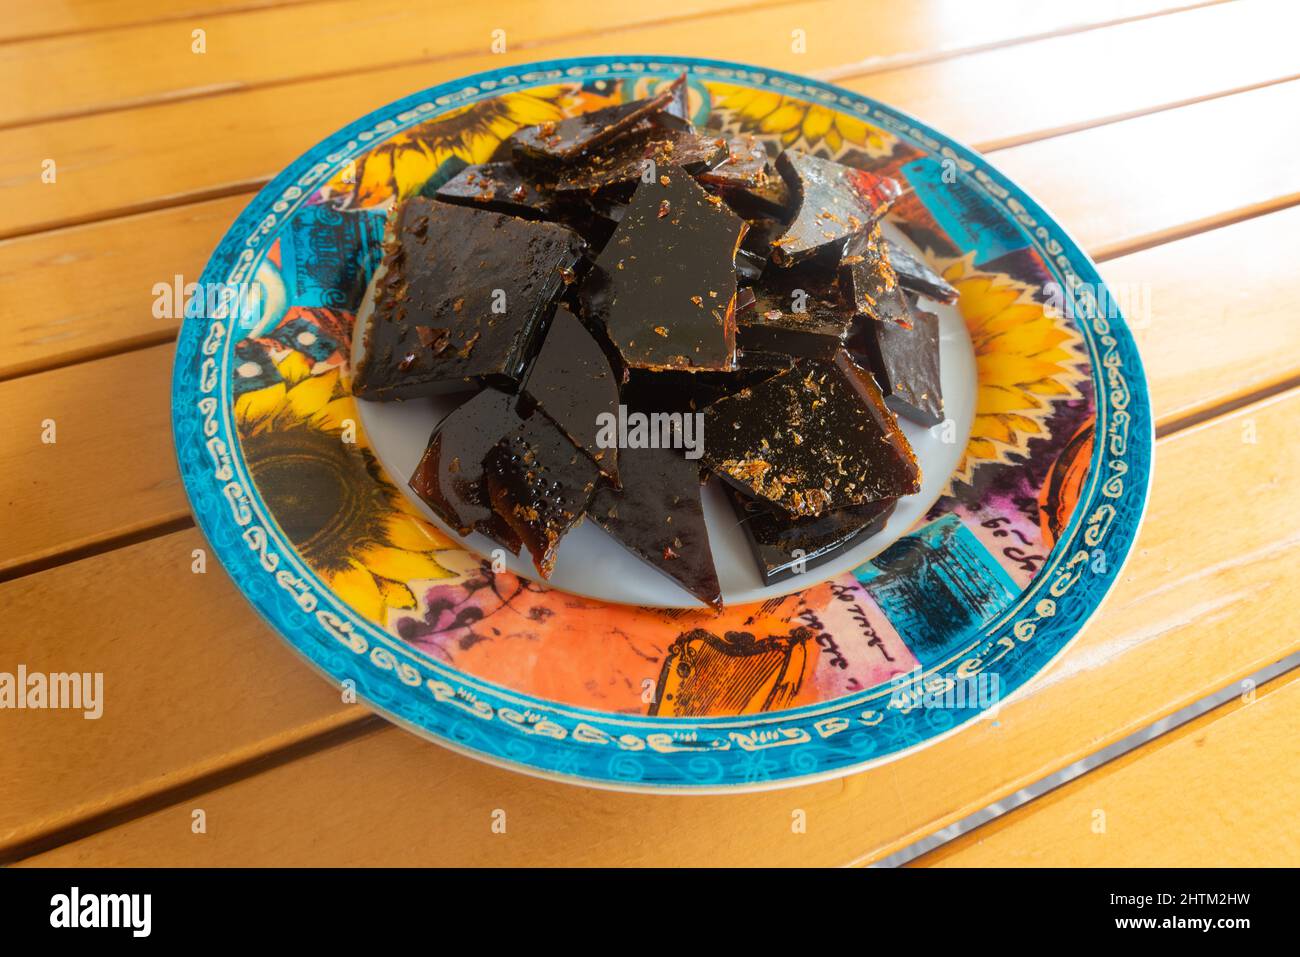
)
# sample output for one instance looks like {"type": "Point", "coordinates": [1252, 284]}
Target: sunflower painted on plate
{"type": "Point", "coordinates": [797, 123]}
{"type": "Point", "coordinates": [300, 434]}
{"type": "Point", "coordinates": [1026, 360]}
{"type": "Point", "coordinates": [402, 164]}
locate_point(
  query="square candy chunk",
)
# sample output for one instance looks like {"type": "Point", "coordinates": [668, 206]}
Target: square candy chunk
{"type": "Point", "coordinates": [812, 439]}
{"type": "Point", "coordinates": [664, 286]}
{"type": "Point", "coordinates": [460, 300]}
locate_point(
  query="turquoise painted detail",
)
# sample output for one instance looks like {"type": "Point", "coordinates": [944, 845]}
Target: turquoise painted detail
{"type": "Point", "coordinates": [938, 587]}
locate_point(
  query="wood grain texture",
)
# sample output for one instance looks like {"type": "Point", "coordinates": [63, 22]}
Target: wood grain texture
{"type": "Point", "coordinates": [1147, 180]}
{"type": "Point", "coordinates": [110, 470]}
{"type": "Point", "coordinates": [27, 20]}
{"type": "Point", "coordinates": [1161, 643]}
{"type": "Point", "coordinates": [189, 675]}
{"type": "Point", "coordinates": [249, 136]}
{"type": "Point", "coordinates": [1150, 64]}
{"type": "Point", "coordinates": [145, 64]}
{"type": "Point", "coordinates": [122, 259]}
{"type": "Point", "coordinates": [1213, 314]}
{"type": "Point", "coordinates": [109, 307]}
{"type": "Point", "coordinates": [1219, 790]}
{"type": "Point", "coordinates": [69, 75]}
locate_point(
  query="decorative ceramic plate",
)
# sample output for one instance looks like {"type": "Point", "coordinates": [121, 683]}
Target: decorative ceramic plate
{"type": "Point", "coordinates": [1039, 476]}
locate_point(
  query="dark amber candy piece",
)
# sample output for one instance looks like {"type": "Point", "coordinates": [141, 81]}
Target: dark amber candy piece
{"type": "Point", "coordinates": [572, 383]}
{"type": "Point", "coordinates": [562, 140]}
{"type": "Point", "coordinates": [463, 295]}
{"type": "Point", "coordinates": [540, 483]}
{"type": "Point", "coordinates": [675, 391]}
{"type": "Point", "coordinates": [624, 160]}
{"type": "Point", "coordinates": [905, 360]}
{"type": "Point", "coordinates": [501, 188]}
{"type": "Point", "coordinates": [449, 478]}
{"type": "Point", "coordinates": [835, 203]}
{"type": "Point", "coordinates": [784, 547]}
{"type": "Point", "coordinates": [870, 280]}
{"type": "Point", "coordinates": [814, 438]}
{"type": "Point", "coordinates": [788, 318]}
{"type": "Point", "coordinates": [659, 516]}
{"type": "Point", "coordinates": [917, 275]}
{"type": "Point", "coordinates": [747, 179]}
{"type": "Point", "coordinates": [664, 287]}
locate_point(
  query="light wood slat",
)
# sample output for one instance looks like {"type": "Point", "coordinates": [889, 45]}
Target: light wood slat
{"type": "Point", "coordinates": [1219, 791]}
{"type": "Point", "coordinates": [1150, 179]}
{"type": "Point", "coordinates": [76, 74]}
{"type": "Point", "coordinates": [262, 130]}
{"type": "Point", "coordinates": [1222, 319]}
{"type": "Point", "coordinates": [985, 98]}
{"type": "Point", "coordinates": [183, 694]}
{"type": "Point", "coordinates": [109, 306]}
{"type": "Point", "coordinates": [71, 75]}
{"type": "Point", "coordinates": [110, 471]}
{"type": "Point", "coordinates": [49, 18]}
{"type": "Point", "coordinates": [392, 798]}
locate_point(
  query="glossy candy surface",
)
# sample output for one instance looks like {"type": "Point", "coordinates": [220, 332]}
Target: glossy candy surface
{"type": "Point", "coordinates": [814, 438]}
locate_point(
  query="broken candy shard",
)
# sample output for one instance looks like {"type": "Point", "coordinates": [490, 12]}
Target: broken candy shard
{"type": "Point", "coordinates": [747, 179]}
{"type": "Point", "coordinates": [787, 318]}
{"type": "Point", "coordinates": [916, 275]}
{"type": "Point", "coordinates": [571, 382]}
{"type": "Point", "coordinates": [562, 140]}
{"type": "Point", "coordinates": [500, 187]}
{"type": "Point", "coordinates": [784, 547]}
{"type": "Point", "coordinates": [540, 483]}
{"type": "Point", "coordinates": [665, 285]}
{"type": "Point", "coordinates": [814, 438]}
{"type": "Point", "coordinates": [871, 283]}
{"type": "Point", "coordinates": [747, 164]}
{"type": "Point", "coordinates": [905, 360]}
{"type": "Point", "coordinates": [449, 478]}
{"type": "Point", "coordinates": [659, 516]}
{"type": "Point", "coordinates": [835, 203]}
{"type": "Point", "coordinates": [461, 297]}
{"type": "Point", "coordinates": [624, 160]}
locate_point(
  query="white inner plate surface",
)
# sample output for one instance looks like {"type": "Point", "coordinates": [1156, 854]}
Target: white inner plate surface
{"type": "Point", "coordinates": [592, 564]}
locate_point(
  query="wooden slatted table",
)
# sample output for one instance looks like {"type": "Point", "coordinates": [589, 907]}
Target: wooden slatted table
{"type": "Point", "coordinates": [1161, 133]}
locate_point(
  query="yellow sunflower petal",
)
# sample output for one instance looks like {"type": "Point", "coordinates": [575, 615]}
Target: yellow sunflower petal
{"type": "Point", "coordinates": [336, 413]}
{"type": "Point", "coordinates": [762, 103]}
{"type": "Point", "coordinates": [788, 116]}
{"type": "Point", "coordinates": [357, 587]}
{"type": "Point", "coordinates": [414, 535]}
{"type": "Point", "coordinates": [311, 395]}
{"type": "Point", "coordinates": [992, 400]}
{"type": "Point", "coordinates": [294, 366]}
{"type": "Point", "coordinates": [260, 403]}
{"type": "Point", "coordinates": [401, 565]}
{"type": "Point", "coordinates": [816, 122]}
{"type": "Point", "coordinates": [396, 595]}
